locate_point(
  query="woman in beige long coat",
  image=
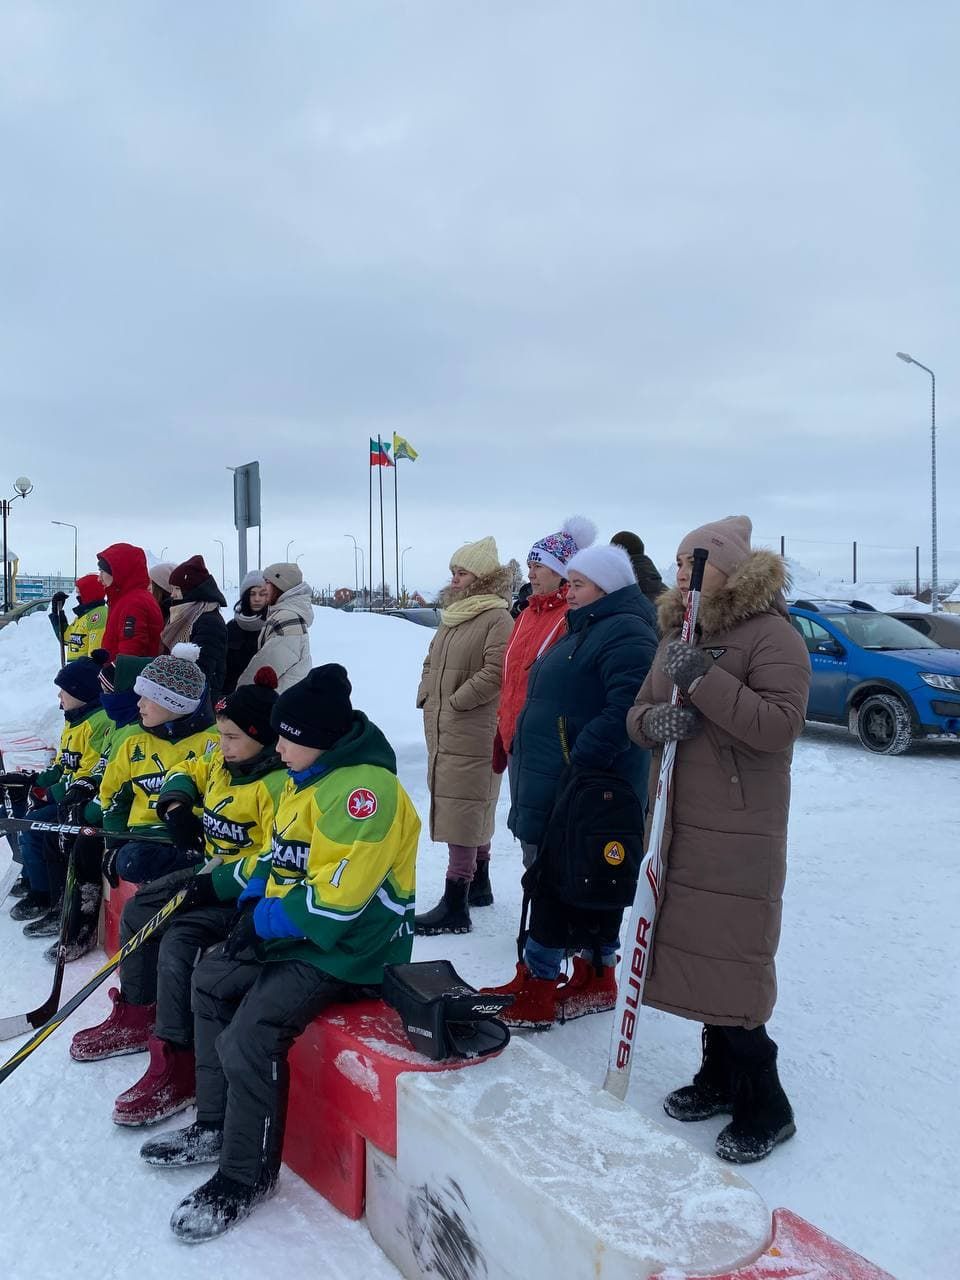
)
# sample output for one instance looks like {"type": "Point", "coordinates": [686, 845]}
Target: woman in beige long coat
{"type": "Point", "coordinates": [458, 694]}
{"type": "Point", "coordinates": [744, 684]}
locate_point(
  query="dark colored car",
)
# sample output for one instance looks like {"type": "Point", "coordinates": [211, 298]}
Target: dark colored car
{"type": "Point", "coordinates": [944, 628]}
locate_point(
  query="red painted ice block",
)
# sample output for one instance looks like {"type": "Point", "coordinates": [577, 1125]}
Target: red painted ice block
{"type": "Point", "coordinates": [801, 1251]}
{"type": "Point", "coordinates": [114, 900]}
{"type": "Point", "coordinates": [343, 1094]}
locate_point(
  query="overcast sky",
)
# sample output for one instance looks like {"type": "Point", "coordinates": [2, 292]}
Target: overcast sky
{"type": "Point", "coordinates": [646, 261]}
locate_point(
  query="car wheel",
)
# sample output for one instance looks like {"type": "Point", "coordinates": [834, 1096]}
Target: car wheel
{"type": "Point", "coordinates": [884, 725]}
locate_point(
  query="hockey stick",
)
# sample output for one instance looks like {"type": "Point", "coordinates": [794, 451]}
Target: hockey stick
{"type": "Point", "coordinates": [12, 873]}
{"type": "Point", "coordinates": [20, 1023]}
{"type": "Point", "coordinates": [643, 914]}
{"type": "Point", "coordinates": [61, 628]}
{"type": "Point", "coordinates": [72, 829]}
{"type": "Point", "coordinates": [75, 1001]}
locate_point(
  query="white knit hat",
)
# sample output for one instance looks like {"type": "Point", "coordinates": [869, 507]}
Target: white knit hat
{"type": "Point", "coordinates": [608, 566]}
{"type": "Point", "coordinates": [480, 557]}
{"type": "Point", "coordinates": [174, 681]}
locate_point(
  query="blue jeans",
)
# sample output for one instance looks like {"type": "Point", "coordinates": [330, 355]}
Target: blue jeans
{"type": "Point", "coordinates": [141, 861]}
{"type": "Point", "coordinates": [31, 842]}
{"type": "Point", "coordinates": [546, 962]}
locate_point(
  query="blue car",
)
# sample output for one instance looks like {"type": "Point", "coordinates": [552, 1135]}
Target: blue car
{"type": "Point", "coordinates": [888, 683]}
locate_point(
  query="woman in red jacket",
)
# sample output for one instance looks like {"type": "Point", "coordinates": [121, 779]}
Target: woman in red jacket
{"type": "Point", "coordinates": [540, 625]}
{"type": "Point", "coordinates": [134, 620]}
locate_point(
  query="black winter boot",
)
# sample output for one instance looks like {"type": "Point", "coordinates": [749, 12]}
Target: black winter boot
{"type": "Point", "coordinates": [198, 1143]}
{"type": "Point", "coordinates": [83, 931]}
{"type": "Point", "coordinates": [45, 926]}
{"type": "Point", "coordinates": [711, 1093]}
{"type": "Point", "coordinates": [481, 893]}
{"type": "Point", "coordinates": [762, 1115]}
{"type": "Point", "coordinates": [217, 1206]}
{"type": "Point", "coordinates": [35, 903]}
{"type": "Point", "coordinates": [450, 915]}
{"type": "Point", "coordinates": [21, 887]}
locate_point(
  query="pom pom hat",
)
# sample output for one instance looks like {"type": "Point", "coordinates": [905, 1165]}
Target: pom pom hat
{"type": "Point", "coordinates": [174, 681]}
{"type": "Point", "coordinates": [609, 567]}
{"type": "Point", "coordinates": [316, 711]}
{"type": "Point", "coordinates": [557, 549]}
{"type": "Point", "coordinates": [480, 557]}
{"type": "Point", "coordinates": [251, 705]}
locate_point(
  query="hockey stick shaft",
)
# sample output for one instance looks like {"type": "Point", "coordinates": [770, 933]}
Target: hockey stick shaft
{"type": "Point", "coordinates": [643, 914]}
{"type": "Point", "coordinates": [75, 1001]}
{"type": "Point", "coordinates": [72, 829]}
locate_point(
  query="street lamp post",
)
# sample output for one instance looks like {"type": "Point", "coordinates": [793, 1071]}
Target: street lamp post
{"type": "Point", "coordinates": [289, 545]}
{"type": "Point", "coordinates": [934, 579]}
{"type": "Point", "coordinates": [65, 524]}
{"type": "Point", "coordinates": [223, 564]}
{"type": "Point", "coordinates": [23, 487]}
{"type": "Point", "coordinates": [403, 571]}
{"type": "Point", "coordinates": [356, 576]}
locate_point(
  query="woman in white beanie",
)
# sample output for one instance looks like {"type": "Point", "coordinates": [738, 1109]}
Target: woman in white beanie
{"type": "Point", "coordinates": [744, 686]}
{"type": "Point", "coordinates": [284, 642]}
{"type": "Point", "coordinates": [575, 714]}
{"type": "Point", "coordinates": [458, 695]}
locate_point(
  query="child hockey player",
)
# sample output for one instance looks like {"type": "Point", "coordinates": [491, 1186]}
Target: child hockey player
{"type": "Point", "coordinates": [84, 635]}
{"type": "Point", "coordinates": [332, 904]}
{"type": "Point", "coordinates": [65, 784]}
{"type": "Point", "coordinates": [176, 724]}
{"type": "Point", "coordinates": [237, 786]}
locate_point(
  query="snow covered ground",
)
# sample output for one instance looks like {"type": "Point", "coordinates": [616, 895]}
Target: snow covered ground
{"type": "Point", "coordinates": [867, 1019]}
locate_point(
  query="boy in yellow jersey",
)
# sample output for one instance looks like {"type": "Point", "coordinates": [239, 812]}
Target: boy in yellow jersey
{"type": "Point", "coordinates": [176, 724]}
{"type": "Point", "coordinates": [237, 786]}
{"type": "Point", "coordinates": [64, 784]}
{"type": "Point", "coordinates": [85, 634]}
{"type": "Point", "coordinates": [332, 903]}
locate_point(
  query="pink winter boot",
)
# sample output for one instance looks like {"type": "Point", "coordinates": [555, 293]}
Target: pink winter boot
{"type": "Point", "coordinates": [586, 990]}
{"type": "Point", "coordinates": [127, 1030]}
{"type": "Point", "coordinates": [167, 1086]}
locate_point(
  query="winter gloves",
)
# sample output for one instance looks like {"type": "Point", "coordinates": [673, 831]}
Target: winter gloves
{"type": "Point", "coordinates": [499, 754]}
{"type": "Point", "coordinates": [198, 893]}
{"type": "Point", "coordinates": [667, 723]}
{"type": "Point", "coordinates": [186, 829]}
{"type": "Point", "coordinates": [685, 664]}
{"type": "Point", "coordinates": [243, 936]}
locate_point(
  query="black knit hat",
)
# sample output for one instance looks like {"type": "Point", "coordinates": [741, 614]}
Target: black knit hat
{"type": "Point", "coordinates": [250, 706]}
{"type": "Point", "coordinates": [81, 678]}
{"type": "Point", "coordinates": [316, 711]}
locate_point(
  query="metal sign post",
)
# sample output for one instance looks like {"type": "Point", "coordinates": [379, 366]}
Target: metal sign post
{"type": "Point", "coordinates": [246, 507]}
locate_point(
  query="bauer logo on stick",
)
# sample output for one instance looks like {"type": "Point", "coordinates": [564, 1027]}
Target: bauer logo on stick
{"type": "Point", "coordinates": [362, 803]}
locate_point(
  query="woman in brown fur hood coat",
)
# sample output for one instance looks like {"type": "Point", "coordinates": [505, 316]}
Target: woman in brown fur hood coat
{"type": "Point", "coordinates": [744, 686]}
{"type": "Point", "coordinates": [459, 692]}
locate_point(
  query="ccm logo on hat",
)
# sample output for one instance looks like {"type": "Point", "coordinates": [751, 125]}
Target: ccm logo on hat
{"type": "Point", "coordinates": [362, 803]}
{"type": "Point", "coordinates": [289, 730]}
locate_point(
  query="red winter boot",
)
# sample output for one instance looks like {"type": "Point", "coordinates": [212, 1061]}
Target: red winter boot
{"type": "Point", "coordinates": [586, 990]}
{"type": "Point", "coordinates": [127, 1030]}
{"type": "Point", "coordinates": [168, 1086]}
{"type": "Point", "coordinates": [535, 1004]}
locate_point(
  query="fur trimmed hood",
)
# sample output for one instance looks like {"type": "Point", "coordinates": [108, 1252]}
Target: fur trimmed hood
{"type": "Point", "coordinates": [756, 587]}
{"type": "Point", "coordinates": [498, 583]}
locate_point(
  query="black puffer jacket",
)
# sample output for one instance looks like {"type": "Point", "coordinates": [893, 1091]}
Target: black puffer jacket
{"type": "Point", "coordinates": [210, 633]}
{"type": "Point", "coordinates": [243, 636]}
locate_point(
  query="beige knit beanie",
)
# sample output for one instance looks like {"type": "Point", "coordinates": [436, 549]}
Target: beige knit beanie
{"type": "Point", "coordinates": [727, 540]}
{"type": "Point", "coordinates": [480, 557]}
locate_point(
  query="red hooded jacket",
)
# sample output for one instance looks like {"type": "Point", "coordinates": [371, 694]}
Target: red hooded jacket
{"type": "Point", "coordinates": [540, 625]}
{"type": "Point", "coordinates": [90, 589]}
{"type": "Point", "coordinates": [134, 620]}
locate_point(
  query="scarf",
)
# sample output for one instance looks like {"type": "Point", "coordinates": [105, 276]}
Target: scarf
{"type": "Point", "coordinates": [467, 607]}
{"type": "Point", "coordinates": [183, 616]}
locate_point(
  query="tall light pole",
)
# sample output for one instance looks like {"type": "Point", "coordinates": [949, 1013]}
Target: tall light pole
{"type": "Point", "coordinates": [223, 564]}
{"type": "Point", "coordinates": [356, 576]}
{"type": "Point", "coordinates": [23, 486]}
{"type": "Point", "coordinates": [65, 524]}
{"type": "Point", "coordinates": [403, 571]}
{"type": "Point", "coordinates": [289, 545]}
{"type": "Point", "coordinates": [934, 580]}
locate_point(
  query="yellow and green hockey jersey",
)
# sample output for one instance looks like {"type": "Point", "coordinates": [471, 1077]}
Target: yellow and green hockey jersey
{"type": "Point", "coordinates": [79, 751]}
{"type": "Point", "coordinates": [341, 868]}
{"type": "Point", "coordinates": [137, 768]}
{"type": "Point", "coordinates": [238, 803]}
{"type": "Point", "coordinates": [85, 633]}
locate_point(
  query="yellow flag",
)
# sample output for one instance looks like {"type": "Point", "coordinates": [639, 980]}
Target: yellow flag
{"type": "Point", "coordinates": [403, 449]}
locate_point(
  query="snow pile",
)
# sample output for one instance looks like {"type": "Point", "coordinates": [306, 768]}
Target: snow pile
{"type": "Point", "coordinates": [807, 585]}
{"type": "Point", "coordinates": [30, 715]}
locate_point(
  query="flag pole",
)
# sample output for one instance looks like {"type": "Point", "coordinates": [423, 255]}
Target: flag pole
{"type": "Point", "coordinates": [370, 540]}
{"type": "Point", "coordinates": [383, 564]}
{"type": "Point", "coordinates": [396, 520]}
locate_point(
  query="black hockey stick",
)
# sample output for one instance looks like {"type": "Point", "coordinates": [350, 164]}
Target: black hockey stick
{"type": "Point", "coordinates": [100, 976]}
{"type": "Point", "coordinates": [73, 829]}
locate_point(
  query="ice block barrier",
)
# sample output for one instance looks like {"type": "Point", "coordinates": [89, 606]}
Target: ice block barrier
{"type": "Point", "coordinates": [522, 1169]}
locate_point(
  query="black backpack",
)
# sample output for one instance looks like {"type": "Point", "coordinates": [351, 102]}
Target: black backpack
{"type": "Point", "coordinates": [593, 845]}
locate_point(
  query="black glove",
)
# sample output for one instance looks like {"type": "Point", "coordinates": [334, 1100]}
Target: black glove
{"type": "Point", "coordinates": [684, 663]}
{"type": "Point", "coordinates": [243, 936]}
{"type": "Point", "coordinates": [185, 827]}
{"type": "Point", "coordinates": [79, 794]}
{"type": "Point", "coordinates": [667, 723]}
{"type": "Point", "coordinates": [110, 864]}
{"type": "Point", "coordinates": [57, 601]}
{"type": "Point", "coordinates": [199, 892]}
{"type": "Point", "coordinates": [15, 780]}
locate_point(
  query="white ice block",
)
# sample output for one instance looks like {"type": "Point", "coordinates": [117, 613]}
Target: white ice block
{"type": "Point", "coordinates": [519, 1169]}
